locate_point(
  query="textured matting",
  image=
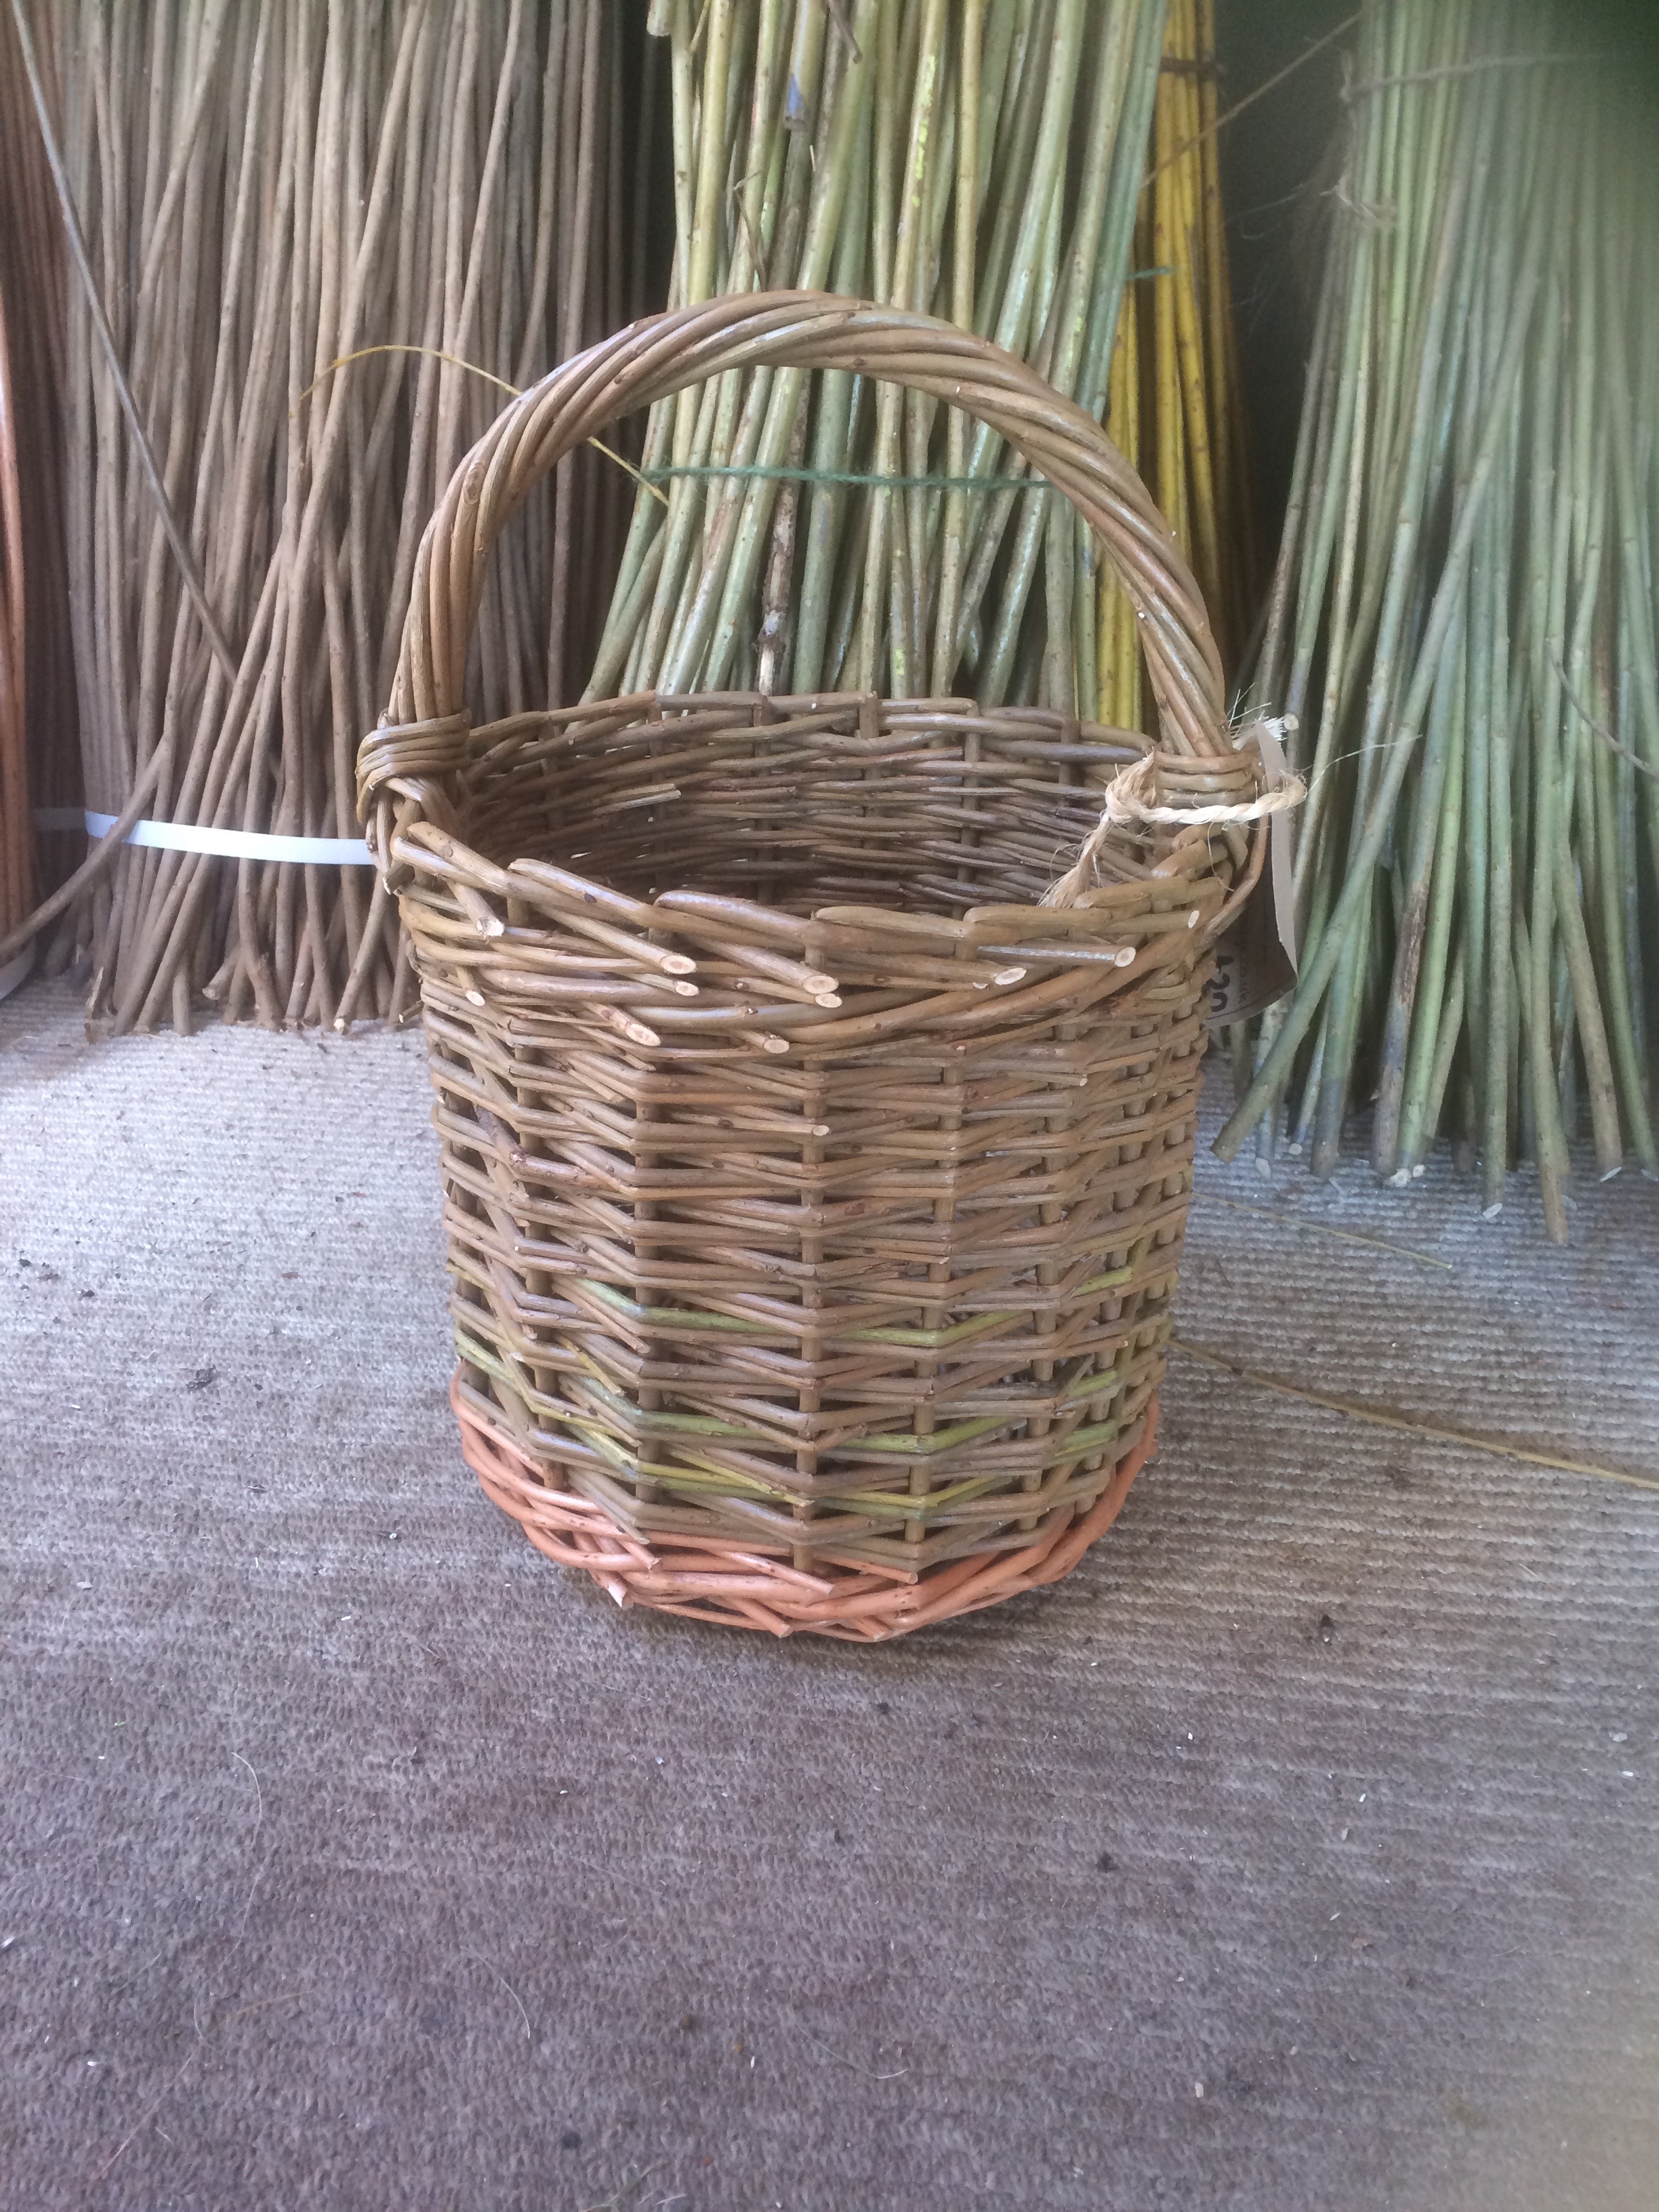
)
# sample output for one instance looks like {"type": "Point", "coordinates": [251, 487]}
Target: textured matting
{"type": "Point", "coordinates": [417, 1875]}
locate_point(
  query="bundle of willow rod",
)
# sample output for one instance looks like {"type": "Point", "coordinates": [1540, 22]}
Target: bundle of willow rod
{"type": "Point", "coordinates": [39, 765]}
{"type": "Point", "coordinates": [1463, 615]}
{"type": "Point", "coordinates": [16, 843]}
{"type": "Point", "coordinates": [980, 161]}
{"type": "Point", "coordinates": [305, 229]}
{"type": "Point", "coordinates": [1174, 393]}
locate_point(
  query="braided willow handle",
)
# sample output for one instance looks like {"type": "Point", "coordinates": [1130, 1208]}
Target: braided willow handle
{"type": "Point", "coordinates": [653, 359]}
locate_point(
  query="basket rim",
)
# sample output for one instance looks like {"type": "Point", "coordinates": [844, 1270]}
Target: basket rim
{"type": "Point", "coordinates": [1184, 874]}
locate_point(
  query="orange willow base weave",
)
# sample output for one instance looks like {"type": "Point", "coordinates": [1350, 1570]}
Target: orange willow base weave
{"type": "Point", "coordinates": [814, 1189]}
{"type": "Point", "coordinates": [708, 1580]}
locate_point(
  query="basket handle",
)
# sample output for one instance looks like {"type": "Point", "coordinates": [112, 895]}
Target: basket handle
{"type": "Point", "coordinates": [424, 735]}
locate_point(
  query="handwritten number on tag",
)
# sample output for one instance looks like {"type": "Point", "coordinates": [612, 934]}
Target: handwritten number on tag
{"type": "Point", "coordinates": [1223, 986]}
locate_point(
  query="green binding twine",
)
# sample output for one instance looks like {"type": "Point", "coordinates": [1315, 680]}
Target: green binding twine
{"type": "Point", "coordinates": [851, 476]}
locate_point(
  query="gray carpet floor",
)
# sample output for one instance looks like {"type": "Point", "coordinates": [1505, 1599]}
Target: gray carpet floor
{"type": "Point", "coordinates": [1297, 1853]}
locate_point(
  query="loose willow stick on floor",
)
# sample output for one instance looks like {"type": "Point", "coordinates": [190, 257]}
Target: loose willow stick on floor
{"type": "Point", "coordinates": [1408, 1424]}
{"type": "Point", "coordinates": [1325, 1229]}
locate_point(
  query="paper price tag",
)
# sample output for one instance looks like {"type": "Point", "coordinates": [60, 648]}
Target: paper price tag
{"type": "Point", "coordinates": [1255, 960]}
{"type": "Point", "coordinates": [1281, 860]}
{"type": "Point", "coordinates": [1225, 994]}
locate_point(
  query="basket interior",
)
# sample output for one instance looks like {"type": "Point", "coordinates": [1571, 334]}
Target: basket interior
{"type": "Point", "coordinates": [797, 805]}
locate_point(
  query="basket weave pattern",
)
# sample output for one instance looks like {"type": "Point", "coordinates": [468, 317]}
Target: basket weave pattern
{"type": "Point", "coordinates": [814, 1192]}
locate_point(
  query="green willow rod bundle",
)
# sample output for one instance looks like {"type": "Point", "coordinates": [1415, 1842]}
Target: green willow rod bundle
{"type": "Point", "coordinates": [1462, 617]}
{"type": "Point", "coordinates": [318, 240]}
{"type": "Point", "coordinates": [980, 161]}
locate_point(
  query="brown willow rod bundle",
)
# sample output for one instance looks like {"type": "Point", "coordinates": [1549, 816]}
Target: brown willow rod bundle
{"type": "Point", "coordinates": [16, 843]}
{"type": "Point", "coordinates": [981, 162]}
{"type": "Point", "coordinates": [321, 239]}
{"type": "Point", "coordinates": [39, 765]}
{"type": "Point", "coordinates": [1462, 616]}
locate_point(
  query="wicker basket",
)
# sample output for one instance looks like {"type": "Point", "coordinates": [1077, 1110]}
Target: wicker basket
{"type": "Point", "coordinates": [814, 1190]}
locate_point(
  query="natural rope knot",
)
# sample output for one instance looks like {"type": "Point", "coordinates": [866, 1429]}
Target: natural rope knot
{"type": "Point", "coordinates": [1125, 804]}
{"type": "Point", "coordinates": [1128, 804]}
{"type": "Point", "coordinates": [1128, 798]}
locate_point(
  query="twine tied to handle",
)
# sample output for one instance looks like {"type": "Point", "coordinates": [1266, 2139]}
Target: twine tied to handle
{"type": "Point", "coordinates": [1126, 805]}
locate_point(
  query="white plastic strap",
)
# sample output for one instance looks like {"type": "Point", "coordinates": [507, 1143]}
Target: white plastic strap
{"type": "Point", "coordinates": [230, 844]}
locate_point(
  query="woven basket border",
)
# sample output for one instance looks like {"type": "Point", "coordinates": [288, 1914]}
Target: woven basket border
{"type": "Point", "coordinates": [749, 1587]}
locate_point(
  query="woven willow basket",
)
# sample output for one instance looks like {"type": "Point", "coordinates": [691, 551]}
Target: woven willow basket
{"type": "Point", "coordinates": [814, 1191]}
